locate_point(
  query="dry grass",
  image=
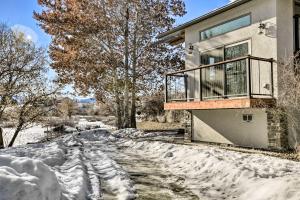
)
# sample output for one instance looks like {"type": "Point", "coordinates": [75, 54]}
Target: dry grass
{"type": "Point", "coordinates": [158, 126]}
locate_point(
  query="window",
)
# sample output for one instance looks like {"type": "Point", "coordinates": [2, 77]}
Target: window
{"type": "Point", "coordinates": [212, 77]}
{"type": "Point", "coordinates": [225, 80]}
{"type": "Point", "coordinates": [226, 27]}
{"type": "Point", "coordinates": [212, 73]}
{"type": "Point", "coordinates": [212, 56]}
{"type": "Point", "coordinates": [236, 72]}
{"type": "Point", "coordinates": [247, 118]}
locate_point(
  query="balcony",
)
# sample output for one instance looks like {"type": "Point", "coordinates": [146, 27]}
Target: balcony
{"type": "Point", "coordinates": [244, 82]}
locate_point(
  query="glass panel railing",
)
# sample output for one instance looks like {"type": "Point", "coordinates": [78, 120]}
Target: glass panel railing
{"type": "Point", "coordinates": [246, 76]}
{"type": "Point", "coordinates": [213, 82]}
{"type": "Point", "coordinates": [236, 78]}
{"type": "Point", "coordinates": [176, 87]}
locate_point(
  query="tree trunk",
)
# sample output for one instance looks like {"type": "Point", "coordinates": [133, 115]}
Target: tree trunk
{"type": "Point", "coordinates": [1, 139]}
{"type": "Point", "coordinates": [117, 99]}
{"type": "Point", "coordinates": [133, 106]}
{"type": "Point", "coordinates": [126, 92]}
{"type": "Point", "coordinates": [2, 106]}
{"type": "Point", "coordinates": [17, 131]}
{"type": "Point", "coordinates": [118, 111]}
{"type": "Point", "coordinates": [134, 74]}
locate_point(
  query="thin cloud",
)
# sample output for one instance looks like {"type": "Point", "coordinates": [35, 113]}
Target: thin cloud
{"type": "Point", "coordinates": [28, 32]}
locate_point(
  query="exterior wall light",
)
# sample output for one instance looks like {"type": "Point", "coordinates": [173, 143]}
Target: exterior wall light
{"type": "Point", "coordinates": [190, 48]}
{"type": "Point", "coordinates": [261, 27]}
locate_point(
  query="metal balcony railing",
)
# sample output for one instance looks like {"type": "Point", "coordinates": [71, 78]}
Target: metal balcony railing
{"type": "Point", "coordinates": [247, 76]}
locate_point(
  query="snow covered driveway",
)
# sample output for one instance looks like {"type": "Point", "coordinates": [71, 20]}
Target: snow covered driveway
{"type": "Point", "coordinates": [91, 165]}
{"type": "Point", "coordinates": [79, 167]}
{"type": "Point", "coordinates": [98, 165]}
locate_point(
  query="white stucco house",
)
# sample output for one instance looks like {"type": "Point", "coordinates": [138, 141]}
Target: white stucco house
{"type": "Point", "coordinates": [230, 76]}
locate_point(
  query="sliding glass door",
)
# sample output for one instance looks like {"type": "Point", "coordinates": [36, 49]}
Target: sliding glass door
{"type": "Point", "coordinates": [236, 72]}
{"type": "Point", "coordinates": [225, 80]}
{"type": "Point", "coordinates": [212, 77]}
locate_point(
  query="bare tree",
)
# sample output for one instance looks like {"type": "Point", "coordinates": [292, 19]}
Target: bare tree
{"type": "Point", "coordinates": [288, 102]}
{"type": "Point", "coordinates": [34, 105]}
{"type": "Point", "coordinates": [67, 107]}
{"type": "Point", "coordinates": [20, 61]}
{"type": "Point", "coordinates": [23, 87]}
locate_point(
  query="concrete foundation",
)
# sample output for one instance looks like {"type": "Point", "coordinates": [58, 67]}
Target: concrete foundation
{"type": "Point", "coordinates": [231, 126]}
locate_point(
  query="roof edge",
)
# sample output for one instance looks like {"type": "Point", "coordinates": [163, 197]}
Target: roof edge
{"type": "Point", "coordinates": [204, 17]}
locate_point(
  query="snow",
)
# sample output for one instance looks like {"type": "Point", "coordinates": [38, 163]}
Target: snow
{"type": "Point", "coordinates": [214, 173]}
{"type": "Point", "coordinates": [37, 133]}
{"type": "Point", "coordinates": [128, 133]}
{"type": "Point", "coordinates": [30, 135]}
{"type": "Point", "coordinates": [27, 179]}
{"type": "Point", "coordinates": [83, 124]}
{"type": "Point", "coordinates": [75, 166]}
{"type": "Point", "coordinates": [75, 161]}
{"type": "Point", "coordinates": [135, 133]}
{"type": "Point", "coordinates": [117, 179]}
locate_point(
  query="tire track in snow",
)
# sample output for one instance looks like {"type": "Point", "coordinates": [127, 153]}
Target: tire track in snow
{"type": "Point", "coordinates": [115, 182]}
{"type": "Point", "coordinates": [80, 179]}
{"type": "Point", "coordinates": [77, 173]}
{"type": "Point", "coordinates": [151, 181]}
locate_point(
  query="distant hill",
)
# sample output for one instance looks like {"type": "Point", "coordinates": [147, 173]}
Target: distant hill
{"type": "Point", "coordinates": [86, 100]}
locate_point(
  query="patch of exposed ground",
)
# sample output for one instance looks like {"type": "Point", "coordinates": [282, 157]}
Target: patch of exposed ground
{"type": "Point", "coordinates": [158, 126]}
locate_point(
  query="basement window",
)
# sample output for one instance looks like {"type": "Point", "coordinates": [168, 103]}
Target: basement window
{"type": "Point", "coordinates": [247, 117]}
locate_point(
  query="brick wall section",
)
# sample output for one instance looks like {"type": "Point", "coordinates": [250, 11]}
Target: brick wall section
{"type": "Point", "coordinates": [277, 131]}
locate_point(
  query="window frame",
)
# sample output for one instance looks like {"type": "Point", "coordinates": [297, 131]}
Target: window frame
{"type": "Point", "coordinates": [247, 118]}
{"type": "Point", "coordinates": [224, 46]}
{"type": "Point", "coordinates": [227, 21]}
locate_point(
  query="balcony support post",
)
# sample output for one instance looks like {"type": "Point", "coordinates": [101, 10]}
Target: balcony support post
{"type": "Point", "coordinates": [185, 86]}
{"type": "Point", "coordinates": [272, 78]}
{"type": "Point", "coordinates": [166, 88]}
{"type": "Point", "coordinates": [200, 88]}
{"type": "Point", "coordinates": [249, 77]}
{"type": "Point", "coordinates": [224, 81]}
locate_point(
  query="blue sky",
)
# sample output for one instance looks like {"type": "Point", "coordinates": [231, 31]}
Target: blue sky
{"type": "Point", "coordinates": [18, 14]}
{"type": "Point", "coordinates": [196, 8]}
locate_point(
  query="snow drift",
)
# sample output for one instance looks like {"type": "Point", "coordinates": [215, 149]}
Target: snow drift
{"type": "Point", "coordinates": [27, 179]}
{"type": "Point", "coordinates": [133, 133]}
{"type": "Point", "coordinates": [214, 173]}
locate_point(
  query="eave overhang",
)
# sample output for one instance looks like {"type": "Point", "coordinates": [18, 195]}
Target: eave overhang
{"type": "Point", "coordinates": [168, 36]}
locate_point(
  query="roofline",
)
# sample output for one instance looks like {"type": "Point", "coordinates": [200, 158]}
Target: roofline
{"type": "Point", "coordinates": [204, 17]}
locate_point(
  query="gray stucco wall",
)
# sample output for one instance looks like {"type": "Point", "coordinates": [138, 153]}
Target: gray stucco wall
{"type": "Point", "coordinates": [285, 29]}
{"type": "Point", "coordinates": [227, 126]}
{"type": "Point", "coordinates": [277, 42]}
{"type": "Point", "coordinates": [261, 10]}
{"type": "Point", "coordinates": [261, 45]}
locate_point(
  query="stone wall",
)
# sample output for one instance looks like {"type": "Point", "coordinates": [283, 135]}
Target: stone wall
{"type": "Point", "coordinates": [188, 126]}
{"type": "Point", "coordinates": [277, 130]}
